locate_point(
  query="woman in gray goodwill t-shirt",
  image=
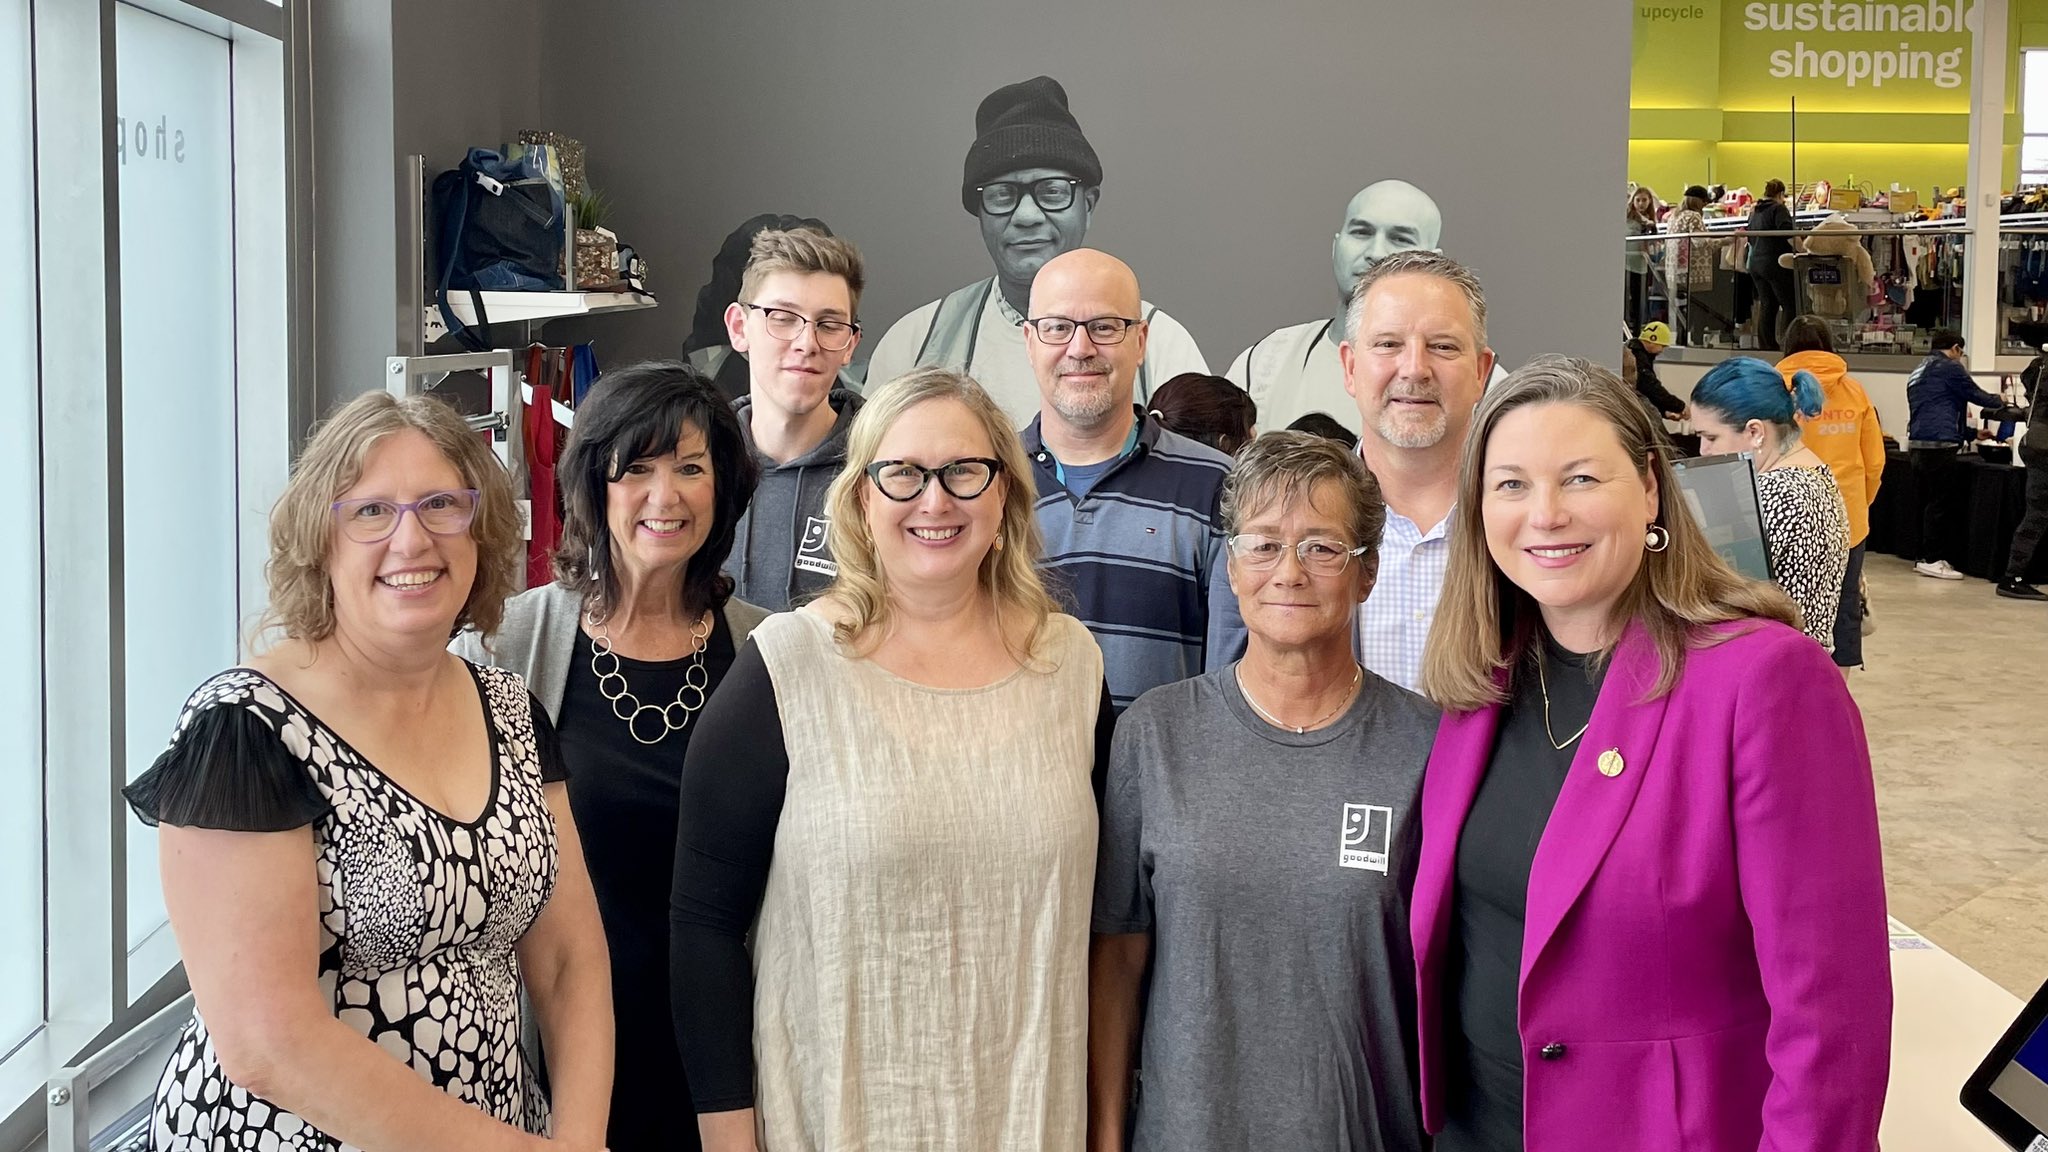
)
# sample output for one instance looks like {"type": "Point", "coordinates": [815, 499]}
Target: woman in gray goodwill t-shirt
{"type": "Point", "coordinates": [1259, 838]}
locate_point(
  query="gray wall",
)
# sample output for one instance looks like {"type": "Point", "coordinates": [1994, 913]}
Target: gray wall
{"type": "Point", "coordinates": [1231, 137]}
{"type": "Point", "coordinates": [393, 78]}
{"type": "Point", "coordinates": [355, 298]}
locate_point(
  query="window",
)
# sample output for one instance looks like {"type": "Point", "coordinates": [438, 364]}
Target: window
{"type": "Point", "coordinates": [2034, 116]}
{"type": "Point", "coordinates": [21, 784]}
{"type": "Point", "coordinates": [175, 146]}
{"type": "Point", "coordinates": [144, 264]}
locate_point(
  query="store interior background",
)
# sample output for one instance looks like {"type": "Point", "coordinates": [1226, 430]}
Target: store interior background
{"type": "Point", "coordinates": [1704, 107]}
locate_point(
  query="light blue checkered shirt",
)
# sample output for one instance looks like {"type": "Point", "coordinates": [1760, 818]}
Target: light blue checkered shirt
{"type": "Point", "coordinates": [1393, 623]}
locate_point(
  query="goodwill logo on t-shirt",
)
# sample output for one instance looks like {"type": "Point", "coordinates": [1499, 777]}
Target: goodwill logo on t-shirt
{"type": "Point", "coordinates": [811, 555]}
{"type": "Point", "coordinates": [1368, 833]}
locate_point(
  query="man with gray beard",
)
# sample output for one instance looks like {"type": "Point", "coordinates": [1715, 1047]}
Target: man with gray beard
{"type": "Point", "coordinates": [1415, 359]}
{"type": "Point", "coordinates": [1129, 510]}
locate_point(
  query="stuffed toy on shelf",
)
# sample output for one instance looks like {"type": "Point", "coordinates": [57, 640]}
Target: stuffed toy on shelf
{"type": "Point", "coordinates": [1837, 237]}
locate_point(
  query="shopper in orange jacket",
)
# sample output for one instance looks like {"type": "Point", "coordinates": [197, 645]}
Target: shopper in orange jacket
{"type": "Point", "coordinates": [1845, 435]}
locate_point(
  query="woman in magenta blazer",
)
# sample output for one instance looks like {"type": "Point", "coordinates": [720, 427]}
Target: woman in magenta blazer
{"type": "Point", "coordinates": [1650, 907]}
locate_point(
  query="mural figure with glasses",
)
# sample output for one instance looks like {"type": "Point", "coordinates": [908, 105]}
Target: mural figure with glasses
{"type": "Point", "coordinates": [1033, 180]}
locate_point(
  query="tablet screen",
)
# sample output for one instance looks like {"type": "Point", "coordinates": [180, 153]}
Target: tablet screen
{"type": "Point", "coordinates": [1721, 492]}
{"type": "Point", "coordinates": [2022, 1085]}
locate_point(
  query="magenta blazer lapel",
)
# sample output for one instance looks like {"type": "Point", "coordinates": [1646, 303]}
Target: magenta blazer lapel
{"type": "Point", "coordinates": [1593, 805]}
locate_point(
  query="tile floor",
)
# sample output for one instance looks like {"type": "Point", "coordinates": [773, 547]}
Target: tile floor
{"type": "Point", "coordinates": [1955, 702]}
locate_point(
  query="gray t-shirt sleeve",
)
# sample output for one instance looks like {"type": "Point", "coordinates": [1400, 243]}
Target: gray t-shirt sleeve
{"type": "Point", "coordinates": [1123, 889]}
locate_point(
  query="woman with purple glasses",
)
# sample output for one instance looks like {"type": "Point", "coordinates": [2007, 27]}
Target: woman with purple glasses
{"type": "Point", "coordinates": [366, 843]}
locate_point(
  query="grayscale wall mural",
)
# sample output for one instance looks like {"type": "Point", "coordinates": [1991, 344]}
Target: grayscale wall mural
{"type": "Point", "coordinates": [1224, 152]}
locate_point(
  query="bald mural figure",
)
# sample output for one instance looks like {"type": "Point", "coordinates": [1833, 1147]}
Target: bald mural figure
{"type": "Point", "coordinates": [1294, 371]}
{"type": "Point", "coordinates": [1130, 511]}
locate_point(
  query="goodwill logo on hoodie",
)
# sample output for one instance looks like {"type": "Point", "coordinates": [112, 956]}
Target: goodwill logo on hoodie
{"type": "Point", "coordinates": [780, 553]}
{"type": "Point", "coordinates": [811, 555]}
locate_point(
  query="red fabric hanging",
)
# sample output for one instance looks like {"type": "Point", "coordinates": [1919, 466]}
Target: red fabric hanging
{"type": "Point", "coordinates": [541, 431]}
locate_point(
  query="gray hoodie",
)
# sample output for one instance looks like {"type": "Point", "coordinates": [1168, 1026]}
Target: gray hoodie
{"type": "Point", "coordinates": [779, 555]}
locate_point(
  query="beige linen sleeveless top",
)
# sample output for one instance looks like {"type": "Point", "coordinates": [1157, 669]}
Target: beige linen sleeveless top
{"type": "Point", "coordinates": [921, 957]}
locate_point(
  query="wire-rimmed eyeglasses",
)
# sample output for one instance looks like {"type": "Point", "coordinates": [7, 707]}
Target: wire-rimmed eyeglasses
{"type": "Point", "coordinates": [372, 519]}
{"type": "Point", "coordinates": [783, 324]}
{"type": "Point", "coordinates": [1317, 554]}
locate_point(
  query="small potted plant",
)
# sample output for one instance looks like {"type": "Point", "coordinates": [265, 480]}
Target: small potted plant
{"type": "Point", "coordinates": [597, 247]}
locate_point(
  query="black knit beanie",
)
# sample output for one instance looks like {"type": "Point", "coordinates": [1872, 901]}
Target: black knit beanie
{"type": "Point", "coordinates": [1026, 125]}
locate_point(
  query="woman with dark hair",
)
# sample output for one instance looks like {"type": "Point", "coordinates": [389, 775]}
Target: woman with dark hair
{"type": "Point", "coordinates": [1743, 405]}
{"type": "Point", "coordinates": [1325, 425]}
{"type": "Point", "coordinates": [1848, 440]}
{"type": "Point", "coordinates": [1774, 301]}
{"type": "Point", "coordinates": [1689, 263]}
{"type": "Point", "coordinates": [622, 650]}
{"type": "Point", "coordinates": [1207, 408]}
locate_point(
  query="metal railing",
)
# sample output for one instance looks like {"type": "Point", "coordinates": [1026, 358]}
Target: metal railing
{"type": "Point", "coordinates": [1715, 314]}
{"type": "Point", "coordinates": [68, 1096]}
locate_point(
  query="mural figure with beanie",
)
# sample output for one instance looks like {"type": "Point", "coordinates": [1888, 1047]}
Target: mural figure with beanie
{"type": "Point", "coordinates": [1033, 180]}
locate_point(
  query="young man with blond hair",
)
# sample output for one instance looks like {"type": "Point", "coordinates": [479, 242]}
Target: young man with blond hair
{"type": "Point", "coordinates": [796, 321]}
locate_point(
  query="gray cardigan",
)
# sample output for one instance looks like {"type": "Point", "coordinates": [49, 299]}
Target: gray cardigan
{"type": "Point", "coordinates": [538, 639]}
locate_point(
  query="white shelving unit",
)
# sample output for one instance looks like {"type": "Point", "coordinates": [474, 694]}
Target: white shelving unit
{"type": "Point", "coordinates": [532, 307]}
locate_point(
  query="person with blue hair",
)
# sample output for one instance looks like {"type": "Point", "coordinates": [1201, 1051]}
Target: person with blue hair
{"type": "Point", "coordinates": [1744, 405]}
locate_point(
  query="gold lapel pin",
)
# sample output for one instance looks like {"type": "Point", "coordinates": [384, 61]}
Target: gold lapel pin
{"type": "Point", "coordinates": [1611, 763]}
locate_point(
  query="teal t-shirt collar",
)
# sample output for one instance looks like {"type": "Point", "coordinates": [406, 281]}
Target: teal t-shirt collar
{"type": "Point", "coordinates": [1059, 470]}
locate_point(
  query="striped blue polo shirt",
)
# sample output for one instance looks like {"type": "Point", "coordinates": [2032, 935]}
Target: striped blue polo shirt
{"type": "Point", "coordinates": [1139, 559]}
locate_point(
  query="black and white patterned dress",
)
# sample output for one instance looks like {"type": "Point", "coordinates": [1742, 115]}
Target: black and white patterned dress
{"type": "Point", "coordinates": [419, 912]}
{"type": "Point", "coordinates": [1807, 528]}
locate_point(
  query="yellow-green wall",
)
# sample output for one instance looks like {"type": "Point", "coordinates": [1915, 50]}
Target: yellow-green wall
{"type": "Point", "coordinates": [1705, 108]}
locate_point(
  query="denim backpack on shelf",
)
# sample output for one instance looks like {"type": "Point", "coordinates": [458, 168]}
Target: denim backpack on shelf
{"type": "Point", "coordinates": [501, 230]}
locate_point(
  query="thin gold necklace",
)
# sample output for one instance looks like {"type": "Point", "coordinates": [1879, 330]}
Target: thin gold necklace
{"type": "Point", "coordinates": [1357, 677]}
{"type": "Point", "coordinates": [1543, 683]}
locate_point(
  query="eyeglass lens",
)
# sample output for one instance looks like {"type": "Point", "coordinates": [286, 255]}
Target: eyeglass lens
{"type": "Point", "coordinates": [833, 335]}
{"type": "Point", "coordinates": [1053, 194]}
{"type": "Point", "coordinates": [1315, 553]}
{"type": "Point", "coordinates": [369, 520]}
{"type": "Point", "coordinates": [962, 479]}
{"type": "Point", "coordinates": [1101, 330]}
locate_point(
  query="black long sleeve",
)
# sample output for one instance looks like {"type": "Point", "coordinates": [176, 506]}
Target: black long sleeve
{"type": "Point", "coordinates": [734, 777]}
{"type": "Point", "coordinates": [1651, 388]}
{"type": "Point", "coordinates": [1105, 734]}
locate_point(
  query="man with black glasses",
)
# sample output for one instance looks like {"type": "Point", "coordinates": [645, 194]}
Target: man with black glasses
{"type": "Point", "coordinates": [795, 321]}
{"type": "Point", "coordinates": [1032, 179]}
{"type": "Point", "coordinates": [1130, 511]}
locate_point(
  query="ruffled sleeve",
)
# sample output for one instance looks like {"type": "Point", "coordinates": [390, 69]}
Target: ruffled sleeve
{"type": "Point", "coordinates": [227, 769]}
{"type": "Point", "coordinates": [547, 746]}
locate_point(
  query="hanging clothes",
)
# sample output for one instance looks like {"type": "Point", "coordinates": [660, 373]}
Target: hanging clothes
{"type": "Point", "coordinates": [542, 441]}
